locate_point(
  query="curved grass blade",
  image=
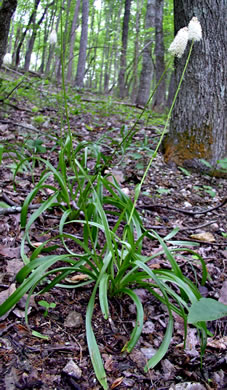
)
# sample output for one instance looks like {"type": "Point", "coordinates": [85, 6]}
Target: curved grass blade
{"type": "Point", "coordinates": [92, 344]}
{"type": "Point", "coordinates": [103, 299]}
{"type": "Point", "coordinates": [169, 331]}
{"type": "Point", "coordinates": [135, 335]}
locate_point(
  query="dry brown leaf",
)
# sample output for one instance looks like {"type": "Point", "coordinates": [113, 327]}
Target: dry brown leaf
{"type": "Point", "coordinates": [9, 252]}
{"type": "Point", "coordinates": [117, 382]}
{"type": "Point", "coordinates": [78, 278]}
{"type": "Point", "coordinates": [4, 295]}
{"type": "Point", "coordinates": [219, 344]}
{"type": "Point", "coordinates": [223, 293]}
{"type": "Point", "coordinates": [204, 236]}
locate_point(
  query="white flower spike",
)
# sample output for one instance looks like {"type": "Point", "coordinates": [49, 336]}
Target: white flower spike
{"type": "Point", "coordinates": [194, 29]}
{"type": "Point", "coordinates": [7, 59]}
{"type": "Point", "coordinates": [179, 43]}
{"type": "Point", "coordinates": [53, 37]}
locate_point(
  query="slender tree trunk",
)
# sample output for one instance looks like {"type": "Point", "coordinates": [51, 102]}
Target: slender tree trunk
{"type": "Point", "coordinates": [114, 51]}
{"type": "Point", "coordinates": [45, 38]}
{"type": "Point", "coordinates": [11, 35]}
{"type": "Point", "coordinates": [72, 41]}
{"type": "Point", "coordinates": [147, 67]}
{"type": "Point", "coordinates": [79, 82]}
{"type": "Point", "coordinates": [65, 33]}
{"type": "Point", "coordinates": [33, 36]}
{"type": "Point", "coordinates": [121, 77]}
{"type": "Point", "coordinates": [51, 48]}
{"type": "Point", "coordinates": [136, 52]}
{"type": "Point", "coordinates": [93, 76]}
{"type": "Point", "coordinates": [7, 9]}
{"type": "Point", "coordinates": [31, 20]}
{"type": "Point", "coordinates": [159, 98]}
{"type": "Point", "coordinates": [197, 128]}
{"type": "Point", "coordinates": [106, 49]}
{"type": "Point", "coordinates": [16, 41]}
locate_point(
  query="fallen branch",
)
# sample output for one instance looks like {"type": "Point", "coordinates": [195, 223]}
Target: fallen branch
{"type": "Point", "coordinates": [17, 209]}
{"type": "Point", "coordinates": [154, 206]}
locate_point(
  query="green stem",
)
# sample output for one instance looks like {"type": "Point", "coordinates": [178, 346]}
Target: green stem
{"type": "Point", "coordinates": [68, 143]}
{"type": "Point", "coordinates": [138, 190]}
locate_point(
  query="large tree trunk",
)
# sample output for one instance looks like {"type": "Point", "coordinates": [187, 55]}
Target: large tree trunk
{"type": "Point", "coordinates": [147, 67]}
{"type": "Point", "coordinates": [79, 82]}
{"type": "Point", "coordinates": [121, 77]}
{"type": "Point", "coordinates": [159, 98]}
{"type": "Point", "coordinates": [6, 11]}
{"type": "Point", "coordinates": [197, 128]}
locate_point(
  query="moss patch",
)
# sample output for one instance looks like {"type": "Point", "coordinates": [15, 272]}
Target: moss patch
{"type": "Point", "coordinates": [189, 145]}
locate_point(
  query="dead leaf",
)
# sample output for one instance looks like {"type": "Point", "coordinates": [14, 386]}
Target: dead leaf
{"type": "Point", "coordinates": [4, 295]}
{"type": "Point", "coordinates": [14, 266]}
{"type": "Point", "coordinates": [218, 344]}
{"type": "Point", "coordinates": [109, 363]}
{"type": "Point", "coordinates": [117, 382]}
{"type": "Point", "coordinates": [204, 236]}
{"type": "Point", "coordinates": [72, 369]}
{"type": "Point", "coordinates": [9, 252]}
{"type": "Point", "coordinates": [148, 327]}
{"type": "Point", "coordinates": [78, 277]}
{"type": "Point", "coordinates": [223, 293]}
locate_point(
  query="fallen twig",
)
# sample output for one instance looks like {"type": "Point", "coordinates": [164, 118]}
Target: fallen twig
{"type": "Point", "coordinates": [154, 206]}
{"type": "Point", "coordinates": [17, 209]}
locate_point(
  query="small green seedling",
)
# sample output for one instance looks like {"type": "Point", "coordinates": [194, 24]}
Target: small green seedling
{"type": "Point", "coordinates": [47, 306]}
{"type": "Point", "coordinates": [223, 164]}
{"type": "Point", "coordinates": [36, 145]}
{"type": "Point", "coordinates": [184, 171]}
{"type": "Point", "coordinates": [39, 335]}
{"type": "Point", "coordinates": [162, 191]}
{"type": "Point", "coordinates": [39, 119]}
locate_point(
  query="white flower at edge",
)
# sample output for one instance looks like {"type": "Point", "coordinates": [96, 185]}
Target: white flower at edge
{"type": "Point", "coordinates": [7, 59]}
{"type": "Point", "coordinates": [194, 29]}
{"type": "Point", "coordinates": [53, 37]}
{"type": "Point", "coordinates": [179, 43]}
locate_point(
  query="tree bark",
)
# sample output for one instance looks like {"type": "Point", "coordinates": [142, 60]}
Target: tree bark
{"type": "Point", "coordinates": [6, 12]}
{"type": "Point", "coordinates": [159, 97]}
{"type": "Point", "coordinates": [171, 90]}
{"type": "Point", "coordinates": [79, 82]}
{"type": "Point", "coordinates": [197, 127]}
{"type": "Point", "coordinates": [147, 66]}
{"type": "Point", "coordinates": [121, 77]}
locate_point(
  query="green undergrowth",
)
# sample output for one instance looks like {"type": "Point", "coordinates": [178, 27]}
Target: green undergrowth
{"type": "Point", "coordinates": [110, 254]}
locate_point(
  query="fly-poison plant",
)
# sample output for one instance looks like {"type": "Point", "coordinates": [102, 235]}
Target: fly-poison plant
{"type": "Point", "coordinates": [109, 252]}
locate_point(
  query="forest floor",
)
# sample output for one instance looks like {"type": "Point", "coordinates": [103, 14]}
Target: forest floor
{"type": "Point", "coordinates": [171, 197]}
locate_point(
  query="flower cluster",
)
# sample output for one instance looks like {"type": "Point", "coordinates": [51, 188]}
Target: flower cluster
{"type": "Point", "coordinates": [53, 37]}
{"type": "Point", "coordinates": [7, 59]}
{"type": "Point", "coordinates": [192, 32]}
{"type": "Point", "coordinates": [179, 43]}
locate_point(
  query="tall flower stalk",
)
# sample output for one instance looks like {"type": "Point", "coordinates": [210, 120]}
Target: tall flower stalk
{"type": "Point", "coordinates": [177, 48]}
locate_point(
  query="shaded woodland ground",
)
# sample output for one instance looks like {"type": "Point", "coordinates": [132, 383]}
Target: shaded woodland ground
{"type": "Point", "coordinates": [32, 120]}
